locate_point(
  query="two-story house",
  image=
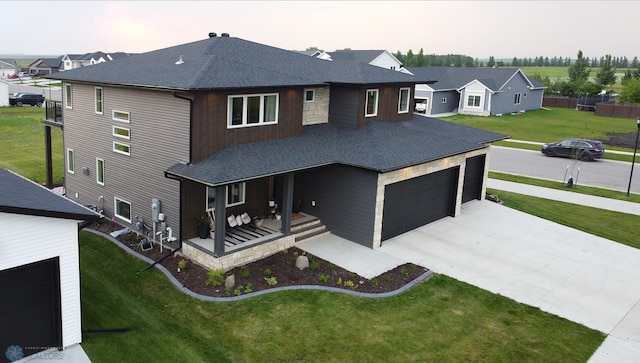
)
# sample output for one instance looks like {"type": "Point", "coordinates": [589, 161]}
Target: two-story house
{"type": "Point", "coordinates": [224, 126]}
{"type": "Point", "coordinates": [73, 61]}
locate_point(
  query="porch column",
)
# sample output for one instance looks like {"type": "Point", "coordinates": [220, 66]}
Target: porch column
{"type": "Point", "coordinates": [287, 204]}
{"type": "Point", "coordinates": [221, 220]}
{"type": "Point", "coordinates": [48, 157]}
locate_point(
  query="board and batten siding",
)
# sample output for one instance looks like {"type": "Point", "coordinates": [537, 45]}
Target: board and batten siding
{"type": "Point", "coordinates": [159, 138]}
{"type": "Point", "coordinates": [26, 239]}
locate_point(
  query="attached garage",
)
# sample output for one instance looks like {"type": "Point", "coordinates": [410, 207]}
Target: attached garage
{"type": "Point", "coordinates": [473, 178]}
{"type": "Point", "coordinates": [31, 315]}
{"type": "Point", "coordinates": [418, 201]}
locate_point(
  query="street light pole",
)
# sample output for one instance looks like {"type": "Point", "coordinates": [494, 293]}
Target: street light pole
{"type": "Point", "coordinates": [635, 149]}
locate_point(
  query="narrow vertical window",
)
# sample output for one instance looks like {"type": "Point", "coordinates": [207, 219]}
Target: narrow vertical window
{"type": "Point", "coordinates": [403, 100]}
{"type": "Point", "coordinates": [100, 171]}
{"type": "Point", "coordinates": [68, 95]}
{"type": "Point", "coordinates": [98, 100]}
{"type": "Point", "coordinates": [70, 161]}
{"type": "Point", "coordinates": [371, 106]}
{"type": "Point", "coordinates": [516, 99]}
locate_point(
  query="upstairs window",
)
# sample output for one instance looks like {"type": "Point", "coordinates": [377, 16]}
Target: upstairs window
{"type": "Point", "coordinates": [121, 132]}
{"type": "Point", "coordinates": [68, 100]}
{"type": "Point", "coordinates": [516, 99]}
{"type": "Point", "coordinates": [70, 161]}
{"type": "Point", "coordinates": [371, 106]}
{"type": "Point", "coordinates": [473, 101]}
{"type": "Point", "coordinates": [309, 95]}
{"type": "Point", "coordinates": [98, 100]}
{"type": "Point", "coordinates": [252, 110]}
{"type": "Point", "coordinates": [100, 171]}
{"type": "Point", "coordinates": [403, 101]}
{"type": "Point", "coordinates": [121, 116]}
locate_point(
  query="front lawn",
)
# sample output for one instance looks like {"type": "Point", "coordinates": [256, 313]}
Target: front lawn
{"type": "Point", "coordinates": [439, 320]}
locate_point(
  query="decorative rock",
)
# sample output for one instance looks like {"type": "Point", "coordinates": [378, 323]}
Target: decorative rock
{"type": "Point", "coordinates": [230, 281]}
{"type": "Point", "coordinates": [302, 262]}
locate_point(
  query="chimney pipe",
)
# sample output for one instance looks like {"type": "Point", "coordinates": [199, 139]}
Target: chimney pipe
{"type": "Point", "coordinates": [212, 35]}
{"type": "Point", "coordinates": [225, 35]}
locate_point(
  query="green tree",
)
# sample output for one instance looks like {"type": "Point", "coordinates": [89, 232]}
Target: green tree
{"type": "Point", "coordinates": [491, 62]}
{"type": "Point", "coordinates": [589, 88]}
{"type": "Point", "coordinates": [544, 80]}
{"type": "Point", "coordinates": [630, 92]}
{"type": "Point", "coordinates": [578, 71]}
{"type": "Point", "coordinates": [410, 61]}
{"type": "Point", "coordinates": [420, 58]}
{"type": "Point", "coordinates": [606, 75]}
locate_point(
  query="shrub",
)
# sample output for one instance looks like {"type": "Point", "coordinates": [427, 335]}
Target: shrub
{"type": "Point", "coordinates": [215, 277]}
{"type": "Point", "coordinates": [182, 265]}
{"type": "Point", "coordinates": [227, 290]}
{"type": "Point", "coordinates": [271, 281]}
{"type": "Point", "coordinates": [330, 266]}
{"type": "Point", "coordinates": [389, 278]}
{"type": "Point", "coordinates": [339, 282]}
{"type": "Point", "coordinates": [404, 272]}
{"type": "Point", "coordinates": [244, 272]}
{"type": "Point", "coordinates": [350, 284]}
{"type": "Point", "coordinates": [324, 278]}
{"type": "Point", "coordinates": [314, 264]}
{"type": "Point", "coordinates": [248, 288]}
{"type": "Point", "coordinates": [352, 276]}
{"type": "Point", "coordinates": [412, 267]}
{"type": "Point", "coordinates": [267, 272]}
{"type": "Point", "coordinates": [374, 282]}
{"type": "Point", "coordinates": [238, 290]}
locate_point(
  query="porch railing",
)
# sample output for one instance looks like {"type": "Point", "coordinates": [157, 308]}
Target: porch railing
{"type": "Point", "coordinates": [53, 111]}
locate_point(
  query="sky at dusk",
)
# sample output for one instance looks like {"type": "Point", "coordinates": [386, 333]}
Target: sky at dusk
{"type": "Point", "coordinates": [503, 29]}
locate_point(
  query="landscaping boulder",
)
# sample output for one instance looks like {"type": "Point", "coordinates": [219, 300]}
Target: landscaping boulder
{"type": "Point", "coordinates": [302, 262]}
{"type": "Point", "coordinates": [230, 281]}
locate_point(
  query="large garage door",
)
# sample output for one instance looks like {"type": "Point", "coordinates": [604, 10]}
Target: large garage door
{"type": "Point", "coordinates": [418, 201]}
{"type": "Point", "coordinates": [473, 176]}
{"type": "Point", "coordinates": [30, 315]}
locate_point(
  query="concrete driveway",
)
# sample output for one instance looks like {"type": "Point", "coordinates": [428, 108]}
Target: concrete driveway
{"type": "Point", "coordinates": [572, 274]}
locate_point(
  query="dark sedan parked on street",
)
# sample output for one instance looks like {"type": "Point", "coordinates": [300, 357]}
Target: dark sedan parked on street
{"type": "Point", "coordinates": [582, 149]}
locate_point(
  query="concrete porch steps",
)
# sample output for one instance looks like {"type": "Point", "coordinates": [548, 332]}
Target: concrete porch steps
{"type": "Point", "coordinates": [308, 230]}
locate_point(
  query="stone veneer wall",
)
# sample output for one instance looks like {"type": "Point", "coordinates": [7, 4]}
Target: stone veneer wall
{"type": "Point", "coordinates": [420, 170]}
{"type": "Point", "coordinates": [239, 258]}
{"type": "Point", "coordinates": [317, 112]}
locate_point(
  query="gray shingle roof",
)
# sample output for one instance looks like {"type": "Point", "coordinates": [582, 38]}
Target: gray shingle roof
{"type": "Point", "coordinates": [227, 63]}
{"type": "Point", "coordinates": [365, 56]}
{"type": "Point", "coordinates": [451, 78]}
{"type": "Point", "coordinates": [379, 146]}
{"type": "Point", "coordinates": [21, 196]}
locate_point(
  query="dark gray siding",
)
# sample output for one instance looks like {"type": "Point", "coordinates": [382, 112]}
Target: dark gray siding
{"type": "Point", "coordinates": [345, 200]}
{"type": "Point", "coordinates": [504, 102]}
{"type": "Point", "coordinates": [159, 138]}
{"type": "Point", "coordinates": [453, 99]}
{"type": "Point", "coordinates": [473, 177]}
{"type": "Point", "coordinates": [343, 106]}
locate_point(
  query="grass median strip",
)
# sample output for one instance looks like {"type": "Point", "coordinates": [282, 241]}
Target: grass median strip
{"type": "Point", "coordinates": [440, 319]}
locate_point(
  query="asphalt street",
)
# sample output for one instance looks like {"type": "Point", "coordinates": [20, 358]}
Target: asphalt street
{"type": "Point", "coordinates": [603, 173]}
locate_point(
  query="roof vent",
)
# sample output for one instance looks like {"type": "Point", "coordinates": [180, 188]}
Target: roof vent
{"type": "Point", "coordinates": [213, 35]}
{"type": "Point", "coordinates": [225, 35]}
{"type": "Point", "coordinates": [180, 61]}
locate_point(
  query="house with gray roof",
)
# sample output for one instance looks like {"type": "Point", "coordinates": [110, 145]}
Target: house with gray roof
{"type": "Point", "coordinates": [477, 91]}
{"type": "Point", "coordinates": [225, 127]}
{"type": "Point", "coordinates": [378, 58]}
{"type": "Point", "coordinates": [46, 65]}
{"type": "Point", "coordinates": [39, 267]}
{"type": "Point", "coordinates": [8, 67]}
{"type": "Point", "coordinates": [73, 61]}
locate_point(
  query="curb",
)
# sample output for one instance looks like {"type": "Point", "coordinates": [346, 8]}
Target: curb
{"type": "Point", "coordinates": [201, 297]}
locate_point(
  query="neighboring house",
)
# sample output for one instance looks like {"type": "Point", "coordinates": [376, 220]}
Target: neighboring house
{"type": "Point", "coordinates": [46, 65]}
{"type": "Point", "coordinates": [226, 126]}
{"type": "Point", "coordinates": [8, 67]}
{"type": "Point", "coordinates": [73, 61]}
{"type": "Point", "coordinates": [39, 266]}
{"type": "Point", "coordinates": [4, 93]}
{"type": "Point", "coordinates": [378, 58]}
{"type": "Point", "coordinates": [477, 91]}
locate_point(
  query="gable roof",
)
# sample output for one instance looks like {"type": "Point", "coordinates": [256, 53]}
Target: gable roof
{"type": "Point", "coordinates": [228, 62]}
{"type": "Point", "coordinates": [8, 63]}
{"type": "Point", "coordinates": [379, 146]}
{"type": "Point", "coordinates": [21, 196]}
{"type": "Point", "coordinates": [49, 62]}
{"type": "Point", "coordinates": [454, 78]}
{"type": "Point", "coordinates": [365, 56]}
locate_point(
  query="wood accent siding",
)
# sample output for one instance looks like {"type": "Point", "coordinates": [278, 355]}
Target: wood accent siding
{"type": "Point", "coordinates": [210, 132]}
{"type": "Point", "coordinates": [159, 138]}
{"type": "Point", "coordinates": [388, 98]}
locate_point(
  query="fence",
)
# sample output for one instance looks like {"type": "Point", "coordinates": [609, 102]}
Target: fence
{"type": "Point", "coordinates": [601, 109]}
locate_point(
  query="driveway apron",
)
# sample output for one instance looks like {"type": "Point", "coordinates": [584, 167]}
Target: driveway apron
{"type": "Point", "coordinates": [581, 277]}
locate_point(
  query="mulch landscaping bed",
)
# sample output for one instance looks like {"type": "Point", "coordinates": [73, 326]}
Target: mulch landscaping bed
{"type": "Point", "coordinates": [252, 277]}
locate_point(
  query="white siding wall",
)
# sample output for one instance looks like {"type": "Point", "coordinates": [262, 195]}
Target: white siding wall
{"type": "Point", "coordinates": [386, 60]}
{"type": "Point", "coordinates": [475, 88]}
{"type": "Point", "coordinates": [27, 239]}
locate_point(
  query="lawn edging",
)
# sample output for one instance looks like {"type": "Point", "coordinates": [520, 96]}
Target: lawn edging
{"type": "Point", "coordinates": [185, 290]}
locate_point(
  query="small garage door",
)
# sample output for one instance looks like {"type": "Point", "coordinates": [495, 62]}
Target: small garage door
{"type": "Point", "coordinates": [473, 176]}
{"type": "Point", "coordinates": [30, 307]}
{"type": "Point", "coordinates": [418, 201]}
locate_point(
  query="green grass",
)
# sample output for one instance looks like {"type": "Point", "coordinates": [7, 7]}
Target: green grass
{"type": "Point", "coordinates": [22, 144]}
{"type": "Point", "coordinates": [615, 226]}
{"type": "Point", "coordinates": [581, 189]}
{"type": "Point", "coordinates": [439, 320]}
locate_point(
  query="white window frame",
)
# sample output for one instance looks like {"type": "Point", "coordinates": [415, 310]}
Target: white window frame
{"type": "Point", "coordinates": [443, 100]}
{"type": "Point", "coordinates": [115, 209]}
{"type": "Point", "coordinates": [243, 189]}
{"type": "Point", "coordinates": [128, 153]}
{"type": "Point", "coordinates": [98, 101]}
{"type": "Point", "coordinates": [71, 161]}
{"type": "Point", "coordinates": [309, 91]}
{"type": "Point", "coordinates": [408, 94]}
{"type": "Point", "coordinates": [517, 98]}
{"type": "Point", "coordinates": [375, 106]}
{"type": "Point", "coordinates": [261, 116]}
{"type": "Point", "coordinates": [126, 137]}
{"type": "Point", "coordinates": [68, 95]}
{"type": "Point", "coordinates": [474, 95]}
{"type": "Point", "coordinates": [99, 171]}
{"type": "Point", "coordinates": [127, 120]}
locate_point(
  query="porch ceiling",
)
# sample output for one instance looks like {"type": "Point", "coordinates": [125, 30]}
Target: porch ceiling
{"type": "Point", "coordinates": [378, 146]}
